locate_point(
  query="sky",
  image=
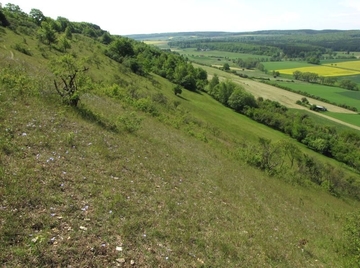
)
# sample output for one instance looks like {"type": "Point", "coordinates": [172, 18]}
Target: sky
{"type": "Point", "coordinates": [125, 17]}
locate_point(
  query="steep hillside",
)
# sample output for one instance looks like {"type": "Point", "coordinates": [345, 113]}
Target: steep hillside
{"type": "Point", "coordinates": [134, 175]}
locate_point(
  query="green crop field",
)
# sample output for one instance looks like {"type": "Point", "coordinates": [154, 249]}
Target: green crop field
{"type": "Point", "coordinates": [217, 54]}
{"type": "Point", "coordinates": [333, 94]}
{"type": "Point", "coordinates": [321, 120]}
{"type": "Point", "coordinates": [210, 61]}
{"type": "Point", "coordinates": [163, 44]}
{"type": "Point", "coordinates": [353, 119]}
{"type": "Point", "coordinates": [335, 61]}
{"type": "Point", "coordinates": [354, 78]}
{"type": "Point", "coordinates": [278, 65]}
{"type": "Point", "coordinates": [214, 57]}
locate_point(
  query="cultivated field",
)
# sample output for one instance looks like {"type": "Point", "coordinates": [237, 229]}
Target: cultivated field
{"type": "Point", "coordinates": [321, 70]}
{"type": "Point", "coordinates": [215, 57]}
{"type": "Point", "coordinates": [231, 68]}
{"type": "Point", "coordinates": [217, 54]}
{"type": "Point", "coordinates": [287, 98]}
{"type": "Point", "coordinates": [353, 65]}
{"type": "Point", "coordinates": [280, 65]}
{"type": "Point", "coordinates": [333, 94]}
{"type": "Point", "coordinates": [159, 43]}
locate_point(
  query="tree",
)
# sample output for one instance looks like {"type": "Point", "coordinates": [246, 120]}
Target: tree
{"type": "Point", "coordinates": [46, 34]}
{"type": "Point", "coordinates": [189, 82]}
{"type": "Point", "coordinates": [106, 38]}
{"type": "Point", "coordinates": [313, 60]}
{"type": "Point", "coordinates": [270, 155]}
{"type": "Point", "coordinates": [134, 66]}
{"type": "Point", "coordinates": [37, 16]}
{"type": "Point", "coordinates": [63, 23]}
{"type": "Point", "coordinates": [63, 44]}
{"type": "Point", "coordinates": [275, 73]}
{"type": "Point", "coordinates": [226, 67]}
{"type": "Point", "coordinates": [177, 90]}
{"type": "Point", "coordinates": [348, 84]}
{"type": "Point", "coordinates": [291, 151]}
{"type": "Point", "coordinates": [13, 8]}
{"type": "Point", "coordinates": [305, 100]}
{"type": "Point", "coordinates": [3, 21]}
{"type": "Point", "coordinates": [330, 80]}
{"type": "Point", "coordinates": [68, 33]}
{"type": "Point", "coordinates": [213, 82]}
{"type": "Point", "coordinates": [69, 79]}
{"type": "Point", "coordinates": [240, 99]}
{"type": "Point", "coordinates": [260, 66]}
{"type": "Point", "coordinates": [297, 75]}
{"type": "Point", "coordinates": [180, 72]}
{"type": "Point", "coordinates": [120, 48]}
{"type": "Point", "coordinates": [201, 74]}
{"type": "Point", "coordinates": [14, 15]}
{"type": "Point", "coordinates": [223, 91]}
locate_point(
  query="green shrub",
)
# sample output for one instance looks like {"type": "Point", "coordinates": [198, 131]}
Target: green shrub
{"type": "Point", "coordinates": [352, 239]}
{"type": "Point", "coordinates": [130, 122]}
{"type": "Point", "coordinates": [177, 90]}
{"type": "Point", "coordinates": [147, 106]}
{"type": "Point", "coordinates": [159, 98]}
{"type": "Point", "coordinates": [21, 48]}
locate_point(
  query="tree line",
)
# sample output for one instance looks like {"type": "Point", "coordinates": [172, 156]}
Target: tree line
{"type": "Point", "coordinates": [137, 56]}
{"type": "Point", "coordinates": [325, 80]}
{"type": "Point", "coordinates": [344, 146]}
{"type": "Point", "coordinates": [47, 28]}
{"type": "Point", "coordinates": [310, 46]}
{"type": "Point", "coordinates": [142, 59]}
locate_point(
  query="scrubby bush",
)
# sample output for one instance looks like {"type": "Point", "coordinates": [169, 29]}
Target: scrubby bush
{"type": "Point", "coordinates": [130, 122]}
{"type": "Point", "coordinates": [352, 239]}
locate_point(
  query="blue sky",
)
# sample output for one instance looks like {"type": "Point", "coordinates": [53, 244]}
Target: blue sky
{"type": "Point", "coordinates": [157, 16]}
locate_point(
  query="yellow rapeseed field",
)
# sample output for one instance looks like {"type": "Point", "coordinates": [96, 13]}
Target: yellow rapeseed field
{"type": "Point", "coordinates": [322, 70]}
{"type": "Point", "coordinates": [353, 65]}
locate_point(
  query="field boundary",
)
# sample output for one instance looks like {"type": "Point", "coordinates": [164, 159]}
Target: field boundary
{"type": "Point", "coordinates": [284, 97]}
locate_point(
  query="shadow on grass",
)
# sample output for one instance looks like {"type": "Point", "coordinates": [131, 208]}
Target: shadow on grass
{"type": "Point", "coordinates": [181, 97]}
{"type": "Point", "coordinates": [90, 116]}
{"type": "Point", "coordinates": [197, 92]}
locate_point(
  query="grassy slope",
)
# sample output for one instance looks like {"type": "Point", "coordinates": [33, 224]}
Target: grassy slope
{"type": "Point", "coordinates": [165, 196]}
